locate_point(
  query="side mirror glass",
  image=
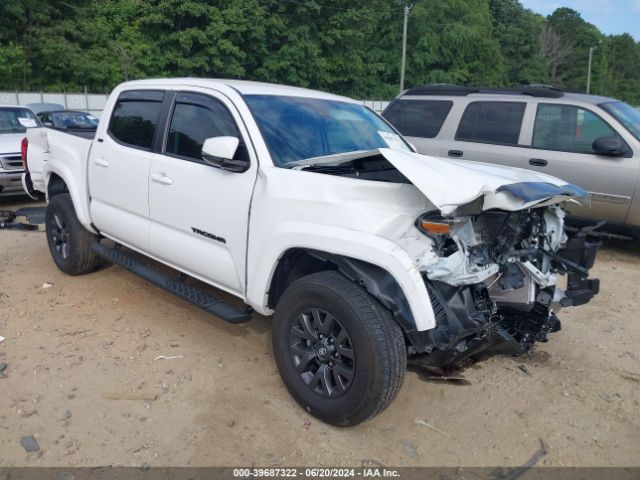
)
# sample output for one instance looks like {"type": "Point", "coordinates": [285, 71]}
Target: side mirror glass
{"type": "Point", "coordinates": [219, 152]}
{"type": "Point", "coordinates": [610, 146]}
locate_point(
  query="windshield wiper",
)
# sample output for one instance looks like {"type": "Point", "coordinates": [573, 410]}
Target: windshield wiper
{"type": "Point", "coordinates": [329, 168]}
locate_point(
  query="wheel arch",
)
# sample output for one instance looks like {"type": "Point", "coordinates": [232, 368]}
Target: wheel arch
{"type": "Point", "coordinates": [59, 181]}
{"type": "Point", "coordinates": [56, 185]}
{"type": "Point", "coordinates": [296, 263]}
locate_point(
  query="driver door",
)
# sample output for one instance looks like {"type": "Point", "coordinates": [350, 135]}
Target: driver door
{"type": "Point", "coordinates": [561, 146]}
{"type": "Point", "coordinates": [199, 213]}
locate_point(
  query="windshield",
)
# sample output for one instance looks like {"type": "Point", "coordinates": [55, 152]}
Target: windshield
{"type": "Point", "coordinates": [628, 116]}
{"type": "Point", "coordinates": [75, 120]}
{"type": "Point", "coordinates": [16, 120]}
{"type": "Point", "coordinates": [297, 128]}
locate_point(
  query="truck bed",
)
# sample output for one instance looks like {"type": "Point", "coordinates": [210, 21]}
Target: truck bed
{"type": "Point", "coordinates": [87, 134]}
{"type": "Point", "coordinates": [63, 154]}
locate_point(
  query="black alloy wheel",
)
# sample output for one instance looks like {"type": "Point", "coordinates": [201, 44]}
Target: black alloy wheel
{"type": "Point", "coordinates": [340, 353]}
{"type": "Point", "coordinates": [322, 352]}
{"type": "Point", "coordinates": [59, 235]}
{"type": "Point", "coordinates": [69, 242]}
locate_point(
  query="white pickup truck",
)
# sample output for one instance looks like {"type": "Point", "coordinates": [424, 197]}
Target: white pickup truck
{"type": "Point", "coordinates": [311, 207]}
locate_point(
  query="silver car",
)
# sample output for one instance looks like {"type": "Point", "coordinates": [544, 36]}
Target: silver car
{"type": "Point", "coordinates": [14, 121]}
{"type": "Point", "coordinates": [588, 140]}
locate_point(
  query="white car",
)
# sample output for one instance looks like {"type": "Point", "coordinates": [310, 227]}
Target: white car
{"type": "Point", "coordinates": [312, 207]}
{"type": "Point", "coordinates": [14, 122]}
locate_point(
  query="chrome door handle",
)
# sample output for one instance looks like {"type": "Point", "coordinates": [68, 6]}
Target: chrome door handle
{"type": "Point", "coordinates": [101, 162]}
{"type": "Point", "coordinates": [161, 178]}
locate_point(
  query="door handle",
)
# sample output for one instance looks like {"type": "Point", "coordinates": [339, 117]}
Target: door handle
{"type": "Point", "coordinates": [538, 162]}
{"type": "Point", "coordinates": [101, 162]}
{"type": "Point", "coordinates": [455, 153]}
{"type": "Point", "coordinates": [161, 178]}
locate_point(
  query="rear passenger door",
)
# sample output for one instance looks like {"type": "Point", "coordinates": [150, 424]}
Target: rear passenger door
{"type": "Point", "coordinates": [119, 165]}
{"type": "Point", "coordinates": [199, 213]}
{"type": "Point", "coordinates": [489, 131]}
{"type": "Point", "coordinates": [561, 145]}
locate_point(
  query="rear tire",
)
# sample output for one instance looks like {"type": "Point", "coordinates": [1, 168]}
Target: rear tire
{"type": "Point", "coordinates": [69, 242]}
{"type": "Point", "coordinates": [339, 351]}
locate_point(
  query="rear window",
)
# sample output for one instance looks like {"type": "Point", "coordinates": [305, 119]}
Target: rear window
{"type": "Point", "coordinates": [492, 122]}
{"type": "Point", "coordinates": [418, 118]}
{"type": "Point", "coordinates": [135, 118]}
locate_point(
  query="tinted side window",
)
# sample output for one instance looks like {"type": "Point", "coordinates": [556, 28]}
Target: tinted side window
{"type": "Point", "coordinates": [418, 118]}
{"type": "Point", "coordinates": [135, 117]}
{"type": "Point", "coordinates": [196, 118]}
{"type": "Point", "coordinates": [568, 128]}
{"type": "Point", "coordinates": [492, 122]}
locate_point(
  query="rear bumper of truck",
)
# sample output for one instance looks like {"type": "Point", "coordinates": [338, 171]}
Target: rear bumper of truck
{"type": "Point", "coordinates": [27, 186]}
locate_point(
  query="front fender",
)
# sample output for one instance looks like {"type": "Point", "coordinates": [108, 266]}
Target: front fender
{"type": "Point", "coordinates": [263, 259]}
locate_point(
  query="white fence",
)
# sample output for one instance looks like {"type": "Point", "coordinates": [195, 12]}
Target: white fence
{"type": "Point", "coordinates": [86, 102]}
{"type": "Point", "coordinates": [94, 102]}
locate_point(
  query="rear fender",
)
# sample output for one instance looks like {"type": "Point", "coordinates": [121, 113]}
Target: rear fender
{"type": "Point", "coordinates": [77, 192]}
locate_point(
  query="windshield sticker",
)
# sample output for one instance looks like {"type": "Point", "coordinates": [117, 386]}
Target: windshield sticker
{"type": "Point", "coordinates": [393, 141]}
{"type": "Point", "coordinates": [27, 122]}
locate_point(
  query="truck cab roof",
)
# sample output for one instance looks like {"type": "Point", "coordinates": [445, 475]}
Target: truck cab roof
{"type": "Point", "coordinates": [243, 87]}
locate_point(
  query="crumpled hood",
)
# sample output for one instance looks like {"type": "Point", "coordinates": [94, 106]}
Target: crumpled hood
{"type": "Point", "coordinates": [10, 142]}
{"type": "Point", "coordinates": [449, 184]}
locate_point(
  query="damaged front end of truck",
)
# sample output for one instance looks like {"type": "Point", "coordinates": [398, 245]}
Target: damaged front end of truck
{"type": "Point", "coordinates": [491, 249]}
{"type": "Point", "coordinates": [493, 284]}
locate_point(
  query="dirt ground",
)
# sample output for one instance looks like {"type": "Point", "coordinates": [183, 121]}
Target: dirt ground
{"type": "Point", "coordinates": [82, 379]}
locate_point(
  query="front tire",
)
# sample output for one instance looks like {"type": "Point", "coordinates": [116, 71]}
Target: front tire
{"type": "Point", "coordinates": [339, 351]}
{"type": "Point", "coordinates": [69, 242]}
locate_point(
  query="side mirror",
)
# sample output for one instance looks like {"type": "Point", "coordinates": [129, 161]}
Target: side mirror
{"type": "Point", "coordinates": [610, 146]}
{"type": "Point", "coordinates": [219, 152]}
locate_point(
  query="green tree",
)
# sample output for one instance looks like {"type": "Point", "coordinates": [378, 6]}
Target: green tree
{"type": "Point", "coordinates": [452, 41]}
{"type": "Point", "coordinates": [518, 32]}
{"type": "Point", "coordinates": [330, 46]}
{"type": "Point", "coordinates": [348, 48]}
{"type": "Point", "coordinates": [622, 79]}
{"type": "Point", "coordinates": [12, 66]}
{"type": "Point", "coordinates": [573, 30]}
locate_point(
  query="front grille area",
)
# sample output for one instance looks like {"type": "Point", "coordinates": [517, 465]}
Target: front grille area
{"type": "Point", "coordinates": [12, 161]}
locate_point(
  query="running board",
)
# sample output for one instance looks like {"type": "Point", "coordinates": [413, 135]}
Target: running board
{"type": "Point", "coordinates": [200, 298]}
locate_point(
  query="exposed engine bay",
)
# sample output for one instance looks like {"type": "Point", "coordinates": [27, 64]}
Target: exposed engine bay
{"type": "Point", "coordinates": [493, 286]}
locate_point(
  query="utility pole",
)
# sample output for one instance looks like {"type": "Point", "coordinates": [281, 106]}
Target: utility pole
{"type": "Point", "coordinates": [407, 9]}
{"type": "Point", "coordinates": [591, 50]}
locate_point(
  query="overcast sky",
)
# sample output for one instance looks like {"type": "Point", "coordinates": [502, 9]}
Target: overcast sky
{"type": "Point", "coordinates": [610, 16]}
